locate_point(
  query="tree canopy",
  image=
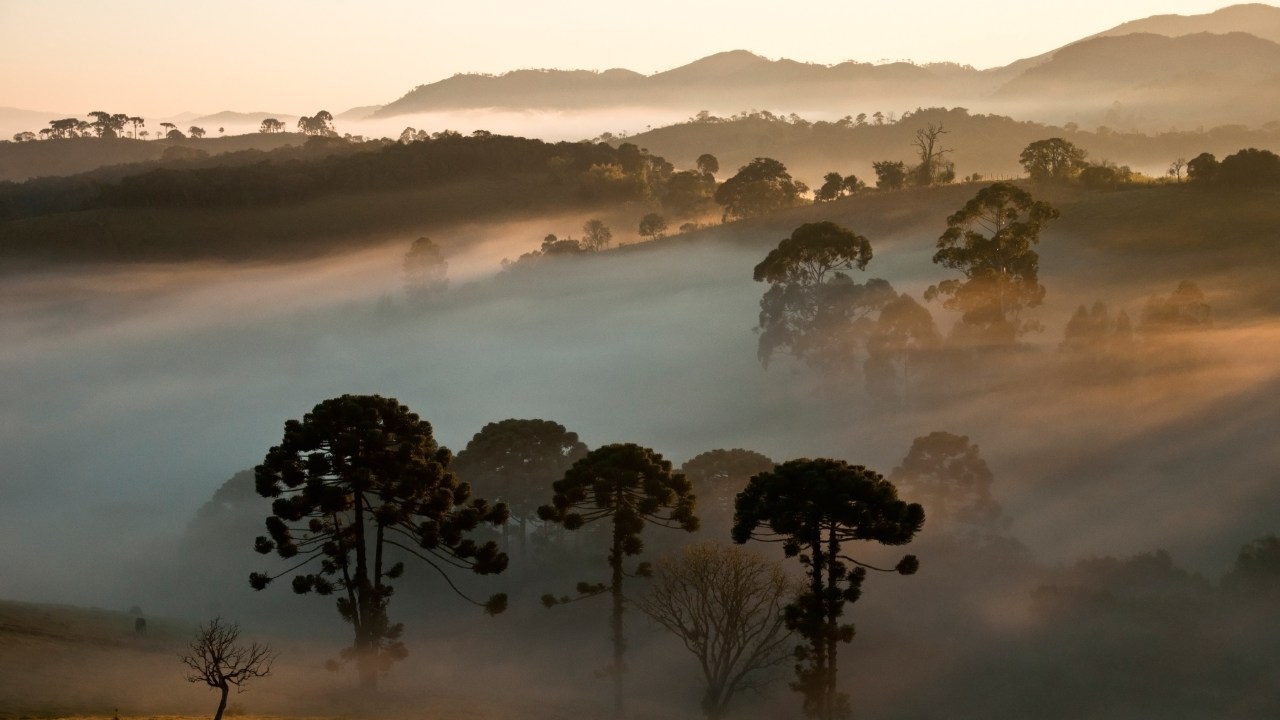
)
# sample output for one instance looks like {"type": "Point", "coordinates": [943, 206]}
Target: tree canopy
{"type": "Point", "coordinates": [760, 187]}
{"type": "Point", "coordinates": [1052, 160]}
{"type": "Point", "coordinates": [947, 474]}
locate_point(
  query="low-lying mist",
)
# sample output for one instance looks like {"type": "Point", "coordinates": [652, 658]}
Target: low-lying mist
{"type": "Point", "coordinates": [133, 393]}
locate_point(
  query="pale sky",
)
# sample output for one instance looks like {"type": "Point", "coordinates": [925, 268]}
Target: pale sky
{"type": "Point", "coordinates": [163, 58]}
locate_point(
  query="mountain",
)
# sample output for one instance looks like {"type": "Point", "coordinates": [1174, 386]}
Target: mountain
{"type": "Point", "coordinates": [1128, 74]}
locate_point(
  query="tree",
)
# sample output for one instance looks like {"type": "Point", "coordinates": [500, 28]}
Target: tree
{"type": "Point", "coordinates": [629, 486]}
{"type": "Point", "coordinates": [813, 310]}
{"type": "Point", "coordinates": [653, 226]}
{"type": "Point", "coordinates": [196, 132]}
{"type": "Point", "coordinates": [708, 164]}
{"type": "Point", "coordinates": [596, 236]}
{"type": "Point", "coordinates": [1183, 309]}
{"type": "Point", "coordinates": [217, 658]}
{"type": "Point", "coordinates": [1257, 569]}
{"type": "Point", "coordinates": [760, 187]}
{"type": "Point", "coordinates": [1052, 160]}
{"type": "Point", "coordinates": [717, 477]}
{"type": "Point", "coordinates": [832, 187]}
{"type": "Point", "coordinates": [357, 476]}
{"type": "Point", "coordinates": [24, 136]}
{"type": "Point", "coordinates": [898, 345]}
{"type": "Point", "coordinates": [320, 124]}
{"type": "Point", "coordinates": [425, 270]}
{"type": "Point", "coordinates": [688, 193]}
{"type": "Point", "coordinates": [516, 461]}
{"type": "Point", "coordinates": [933, 168]}
{"type": "Point", "coordinates": [270, 125]}
{"type": "Point", "coordinates": [815, 508]}
{"type": "Point", "coordinates": [948, 475]}
{"type": "Point", "coordinates": [1250, 167]}
{"type": "Point", "coordinates": [1202, 169]}
{"type": "Point", "coordinates": [890, 174]}
{"type": "Point", "coordinates": [725, 604]}
{"type": "Point", "coordinates": [990, 241]}
{"type": "Point", "coordinates": [1176, 168]}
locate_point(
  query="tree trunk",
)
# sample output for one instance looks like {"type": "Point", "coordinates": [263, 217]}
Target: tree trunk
{"type": "Point", "coordinates": [222, 701]}
{"type": "Point", "coordinates": [619, 643]}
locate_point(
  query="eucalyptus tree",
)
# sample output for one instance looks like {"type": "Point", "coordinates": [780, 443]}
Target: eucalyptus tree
{"type": "Point", "coordinates": [991, 242]}
{"type": "Point", "coordinates": [359, 476]}
{"type": "Point", "coordinates": [627, 486]}
{"type": "Point", "coordinates": [816, 509]}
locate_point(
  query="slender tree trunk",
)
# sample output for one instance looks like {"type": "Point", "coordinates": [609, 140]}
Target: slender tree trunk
{"type": "Point", "coordinates": [833, 629]}
{"type": "Point", "coordinates": [222, 701]}
{"type": "Point", "coordinates": [619, 643]}
{"type": "Point", "coordinates": [817, 588]}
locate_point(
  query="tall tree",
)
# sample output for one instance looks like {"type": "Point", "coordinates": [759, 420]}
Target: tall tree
{"type": "Point", "coordinates": [760, 187]}
{"type": "Point", "coordinates": [933, 168]}
{"type": "Point", "coordinates": [815, 509]}
{"type": "Point", "coordinates": [725, 604]}
{"type": "Point", "coordinates": [217, 658]}
{"type": "Point", "coordinates": [990, 241]}
{"type": "Point", "coordinates": [516, 461]}
{"type": "Point", "coordinates": [270, 125]}
{"type": "Point", "coordinates": [899, 346]}
{"type": "Point", "coordinates": [813, 310]}
{"type": "Point", "coordinates": [628, 486]}
{"type": "Point", "coordinates": [357, 476]}
{"type": "Point", "coordinates": [425, 270]}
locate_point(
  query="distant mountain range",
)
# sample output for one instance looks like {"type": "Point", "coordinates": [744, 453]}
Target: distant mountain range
{"type": "Point", "coordinates": [1222, 67]}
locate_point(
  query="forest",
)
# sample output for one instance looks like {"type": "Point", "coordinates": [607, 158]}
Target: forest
{"type": "Point", "coordinates": [751, 415]}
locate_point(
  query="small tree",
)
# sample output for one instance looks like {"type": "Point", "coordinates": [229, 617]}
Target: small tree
{"type": "Point", "coordinates": [596, 235]}
{"type": "Point", "coordinates": [1052, 160]}
{"type": "Point", "coordinates": [760, 187]}
{"type": "Point", "coordinates": [196, 132]}
{"type": "Point", "coordinates": [653, 226]}
{"type": "Point", "coordinates": [629, 485]}
{"type": "Point", "coordinates": [725, 604]}
{"type": "Point", "coordinates": [890, 174]}
{"type": "Point", "coordinates": [217, 658]}
{"type": "Point", "coordinates": [815, 508]}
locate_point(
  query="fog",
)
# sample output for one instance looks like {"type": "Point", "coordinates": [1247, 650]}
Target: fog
{"type": "Point", "coordinates": [132, 393]}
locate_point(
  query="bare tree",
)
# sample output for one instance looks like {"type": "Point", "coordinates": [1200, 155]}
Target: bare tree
{"type": "Point", "coordinates": [216, 658]}
{"type": "Point", "coordinates": [932, 168]}
{"type": "Point", "coordinates": [726, 605]}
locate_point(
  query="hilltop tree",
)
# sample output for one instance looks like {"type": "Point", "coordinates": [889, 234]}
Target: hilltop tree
{"type": "Point", "coordinates": [320, 124]}
{"type": "Point", "coordinates": [760, 187]}
{"type": "Point", "coordinates": [271, 125]}
{"type": "Point", "coordinates": [425, 270]}
{"type": "Point", "coordinates": [596, 236]}
{"type": "Point", "coordinates": [933, 168]}
{"type": "Point", "coordinates": [816, 508]}
{"type": "Point", "coordinates": [990, 241]}
{"type": "Point", "coordinates": [358, 476]}
{"type": "Point", "coordinates": [137, 122]}
{"type": "Point", "coordinates": [1052, 160]}
{"type": "Point", "coordinates": [725, 604]}
{"type": "Point", "coordinates": [813, 310]}
{"type": "Point", "coordinates": [516, 461]}
{"type": "Point", "coordinates": [196, 132]}
{"type": "Point", "coordinates": [652, 226]}
{"type": "Point", "coordinates": [946, 473]}
{"type": "Point", "coordinates": [708, 164]}
{"type": "Point", "coordinates": [890, 174]}
{"type": "Point", "coordinates": [1202, 169]}
{"type": "Point", "coordinates": [629, 486]}
{"type": "Point", "coordinates": [216, 658]}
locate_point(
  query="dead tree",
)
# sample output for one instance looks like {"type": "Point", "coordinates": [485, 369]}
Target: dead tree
{"type": "Point", "coordinates": [216, 658]}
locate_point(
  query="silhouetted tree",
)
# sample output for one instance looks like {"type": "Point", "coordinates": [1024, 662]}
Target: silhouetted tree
{"type": "Point", "coordinates": [760, 187]}
{"type": "Point", "coordinates": [890, 174]}
{"type": "Point", "coordinates": [320, 124]}
{"type": "Point", "coordinates": [990, 241]}
{"type": "Point", "coordinates": [1097, 347]}
{"type": "Point", "coordinates": [653, 226]}
{"type": "Point", "coordinates": [1105, 175]}
{"type": "Point", "coordinates": [425, 270]}
{"type": "Point", "coordinates": [270, 125]}
{"type": "Point", "coordinates": [24, 136]}
{"type": "Point", "coordinates": [629, 486]}
{"type": "Point", "coordinates": [688, 193]}
{"type": "Point", "coordinates": [815, 508]}
{"type": "Point", "coordinates": [708, 164]}
{"type": "Point", "coordinates": [196, 132]}
{"type": "Point", "coordinates": [1052, 160]}
{"type": "Point", "coordinates": [933, 168]}
{"type": "Point", "coordinates": [596, 236]}
{"type": "Point", "coordinates": [1176, 168]}
{"type": "Point", "coordinates": [357, 475]}
{"type": "Point", "coordinates": [1202, 169]}
{"type": "Point", "coordinates": [898, 346]}
{"type": "Point", "coordinates": [1250, 167]}
{"type": "Point", "coordinates": [216, 658]}
{"type": "Point", "coordinates": [137, 122]}
{"type": "Point", "coordinates": [1183, 309]}
{"type": "Point", "coordinates": [1257, 569]}
{"type": "Point", "coordinates": [813, 310]}
{"type": "Point", "coordinates": [725, 604]}
{"type": "Point", "coordinates": [516, 461]}
{"type": "Point", "coordinates": [946, 473]}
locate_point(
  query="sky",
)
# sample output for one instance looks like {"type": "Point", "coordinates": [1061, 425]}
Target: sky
{"type": "Point", "coordinates": [287, 57]}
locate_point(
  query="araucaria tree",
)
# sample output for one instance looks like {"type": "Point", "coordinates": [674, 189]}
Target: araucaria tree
{"type": "Point", "coordinates": [816, 508]}
{"type": "Point", "coordinates": [628, 486]}
{"type": "Point", "coordinates": [813, 310]}
{"type": "Point", "coordinates": [217, 658]}
{"type": "Point", "coordinates": [725, 604]}
{"type": "Point", "coordinates": [990, 240]}
{"type": "Point", "coordinates": [359, 478]}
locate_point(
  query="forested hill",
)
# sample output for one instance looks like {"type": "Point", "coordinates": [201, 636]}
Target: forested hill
{"type": "Point", "coordinates": [311, 199]}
